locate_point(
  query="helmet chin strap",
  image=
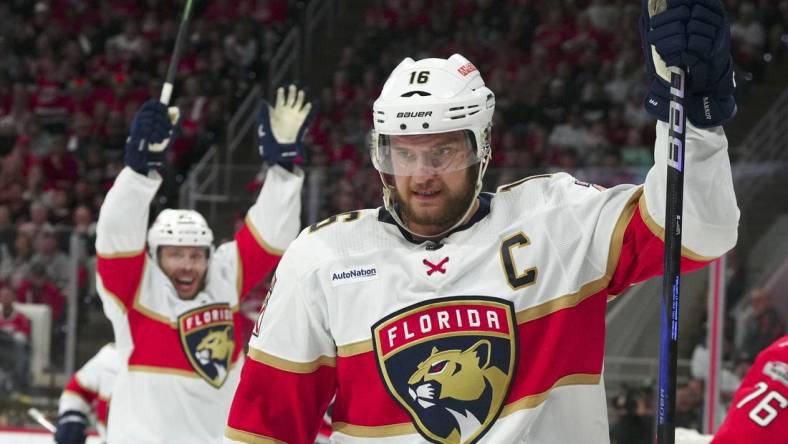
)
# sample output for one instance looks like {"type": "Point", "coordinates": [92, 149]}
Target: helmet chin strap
{"type": "Point", "coordinates": [388, 203]}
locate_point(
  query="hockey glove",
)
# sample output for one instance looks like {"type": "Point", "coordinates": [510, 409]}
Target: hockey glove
{"type": "Point", "coordinates": [71, 426]}
{"type": "Point", "coordinates": [693, 34]}
{"type": "Point", "coordinates": [281, 128]}
{"type": "Point", "coordinates": [149, 137]}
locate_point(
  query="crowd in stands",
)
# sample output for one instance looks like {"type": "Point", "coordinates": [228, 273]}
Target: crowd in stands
{"type": "Point", "coordinates": [568, 78]}
{"type": "Point", "coordinates": [72, 75]}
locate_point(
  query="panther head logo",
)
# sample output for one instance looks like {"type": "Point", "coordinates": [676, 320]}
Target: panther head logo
{"type": "Point", "coordinates": [454, 380]}
{"type": "Point", "coordinates": [449, 363]}
{"type": "Point", "coordinates": [215, 347]}
{"type": "Point", "coordinates": [208, 339]}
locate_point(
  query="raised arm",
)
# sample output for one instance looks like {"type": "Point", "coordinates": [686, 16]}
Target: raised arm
{"type": "Point", "coordinates": [275, 218]}
{"type": "Point", "coordinates": [696, 35]}
{"type": "Point", "coordinates": [122, 225]}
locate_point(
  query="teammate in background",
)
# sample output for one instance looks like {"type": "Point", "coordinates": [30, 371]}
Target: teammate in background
{"type": "Point", "coordinates": [173, 300]}
{"type": "Point", "coordinates": [452, 315]}
{"type": "Point", "coordinates": [759, 411]}
{"type": "Point", "coordinates": [88, 389]}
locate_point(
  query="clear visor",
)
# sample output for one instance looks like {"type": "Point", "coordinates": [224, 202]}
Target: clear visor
{"type": "Point", "coordinates": [424, 154]}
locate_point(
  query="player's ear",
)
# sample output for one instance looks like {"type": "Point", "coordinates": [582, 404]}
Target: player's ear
{"type": "Point", "coordinates": [482, 351]}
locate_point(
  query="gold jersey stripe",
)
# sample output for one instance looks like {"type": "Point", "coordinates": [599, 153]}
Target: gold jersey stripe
{"type": "Point", "coordinates": [113, 296]}
{"type": "Point", "coordinates": [164, 370]}
{"type": "Point", "coordinates": [374, 431]}
{"type": "Point", "coordinates": [660, 233]}
{"type": "Point", "coordinates": [532, 401]}
{"type": "Point", "coordinates": [119, 254]}
{"type": "Point", "coordinates": [597, 285]}
{"type": "Point", "coordinates": [263, 244]}
{"type": "Point", "coordinates": [354, 348]}
{"type": "Point", "coordinates": [249, 437]}
{"type": "Point", "coordinates": [290, 366]}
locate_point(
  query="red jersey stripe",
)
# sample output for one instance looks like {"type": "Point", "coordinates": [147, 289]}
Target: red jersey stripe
{"type": "Point", "coordinates": [254, 410]}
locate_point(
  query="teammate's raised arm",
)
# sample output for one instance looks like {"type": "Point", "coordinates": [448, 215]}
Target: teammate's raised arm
{"type": "Point", "coordinates": [263, 239]}
{"type": "Point", "coordinates": [173, 298]}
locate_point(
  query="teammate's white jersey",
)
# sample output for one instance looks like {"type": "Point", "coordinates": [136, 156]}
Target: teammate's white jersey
{"type": "Point", "coordinates": [90, 388]}
{"type": "Point", "coordinates": [180, 358]}
{"type": "Point", "coordinates": [497, 333]}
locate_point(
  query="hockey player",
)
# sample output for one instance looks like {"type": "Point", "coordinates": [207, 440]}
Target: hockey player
{"type": "Point", "coordinates": [173, 300]}
{"type": "Point", "coordinates": [759, 411]}
{"type": "Point", "coordinates": [88, 390]}
{"type": "Point", "coordinates": [454, 316]}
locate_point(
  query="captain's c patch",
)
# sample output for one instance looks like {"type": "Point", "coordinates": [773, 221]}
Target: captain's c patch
{"type": "Point", "coordinates": [449, 363]}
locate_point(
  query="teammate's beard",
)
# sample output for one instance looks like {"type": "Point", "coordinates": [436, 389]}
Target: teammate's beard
{"type": "Point", "coordinates": [456, 206]}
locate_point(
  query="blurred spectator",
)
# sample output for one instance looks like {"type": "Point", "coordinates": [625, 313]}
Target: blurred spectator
{"type": "Point", "coordinates": [38, 289]}
{"type": "Point", "coordinates": [765, 324]}
{"type": "Point", "coordinates": [749, 38]}
{"type": "Point", "coordinates": [14, 338]}
{"type": "Point", "coordinates": [37, 221]}
{"type": "Point", "coordinates": [49, 256]}
{"type": "Point", "coordinates": [635, 423]}
{"type": "Point", "coordinates": [7, 231]}
{"type": "Point", "coordinates": [60, 168]}
{"type": "Point", "coordinates": [15, 262]}
{"type": "Point", "coordinates": [689, 401]}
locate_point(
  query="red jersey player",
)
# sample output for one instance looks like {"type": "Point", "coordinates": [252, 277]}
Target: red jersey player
{"type": "Point", "coordinates": [759, 411]}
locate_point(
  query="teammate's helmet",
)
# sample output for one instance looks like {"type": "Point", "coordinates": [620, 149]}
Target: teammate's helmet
{"type": "Point", "coordinates": [432, 96]}
{"type": "Point", "coordinates": [185, 228]}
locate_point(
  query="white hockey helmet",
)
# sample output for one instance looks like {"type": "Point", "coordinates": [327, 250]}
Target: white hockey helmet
{"type": "Point", "coordinates": [185, 228]}
{"type": "Point", "coordinates": [432, 96]}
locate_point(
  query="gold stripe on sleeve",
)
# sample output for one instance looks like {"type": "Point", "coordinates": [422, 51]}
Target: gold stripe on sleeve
{"type": "Point", "coordinates": [660, 233]}
{"type": "Point", "coordinates": [119, 254]}
{"type": "Point", "coordinates": [249, 437]}
{"type": "Point", "coordinates": [263, 244]}
{"type": "Point", "coordinates": [290, 366]}
{"type": "Point", "coordinates": [595, 286]}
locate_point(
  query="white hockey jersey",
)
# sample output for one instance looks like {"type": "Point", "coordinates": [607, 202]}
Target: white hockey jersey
{"type": "Point", "coordinates": [180, 358]}
{"type": "Point", "coordinates": [89, 389]}
{"type": "Point", "coordinates": [494, 335]}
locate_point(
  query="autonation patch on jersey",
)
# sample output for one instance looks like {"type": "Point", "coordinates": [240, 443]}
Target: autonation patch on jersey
{"type": "Point", "coordinates": [354, 274]}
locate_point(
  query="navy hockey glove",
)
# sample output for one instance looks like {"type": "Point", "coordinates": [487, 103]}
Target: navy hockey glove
{"type": "Point", "coordinates": [71, 426]}
{"type": "Point", "coordinates": [281, 128]}
{"type": "Point", "coordinates": [149, 137]}
{"type": "Point", "coordinates": [693, 34]}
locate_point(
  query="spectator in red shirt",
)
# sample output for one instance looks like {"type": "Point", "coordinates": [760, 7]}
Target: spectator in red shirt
{"type": "Point", "coordinates": [38, 289]}
{"type": "Point", "coordinates": [14, 338]}
{"type": "Point", "coordinates": [61, 169]}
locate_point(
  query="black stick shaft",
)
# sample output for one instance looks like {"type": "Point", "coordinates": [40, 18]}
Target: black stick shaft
{"type": "Point", "coordinates": [671, 279]}
{"type": "Point", "coordinates": [166, 90]}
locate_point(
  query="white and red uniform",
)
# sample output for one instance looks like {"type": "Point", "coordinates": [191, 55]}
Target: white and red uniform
{"type": "Point", "coordinates": [496, 334]}
{"type": "Point", "coordinates": [759, 410]}
{"type": "Point", "coordinates": [180, 357]}
{"type": "Point", "coordinates": [90, 388]}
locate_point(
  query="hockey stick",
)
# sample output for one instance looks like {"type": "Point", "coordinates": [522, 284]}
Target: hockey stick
{"type": "Point", "coordinates": [671, 279]}
{"type": "Point", "coordinates": [166, 89]}
{"type": "Point", "coordinates": [172, 69]}
{"type": "Point", "coordinates": [41, 419]}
